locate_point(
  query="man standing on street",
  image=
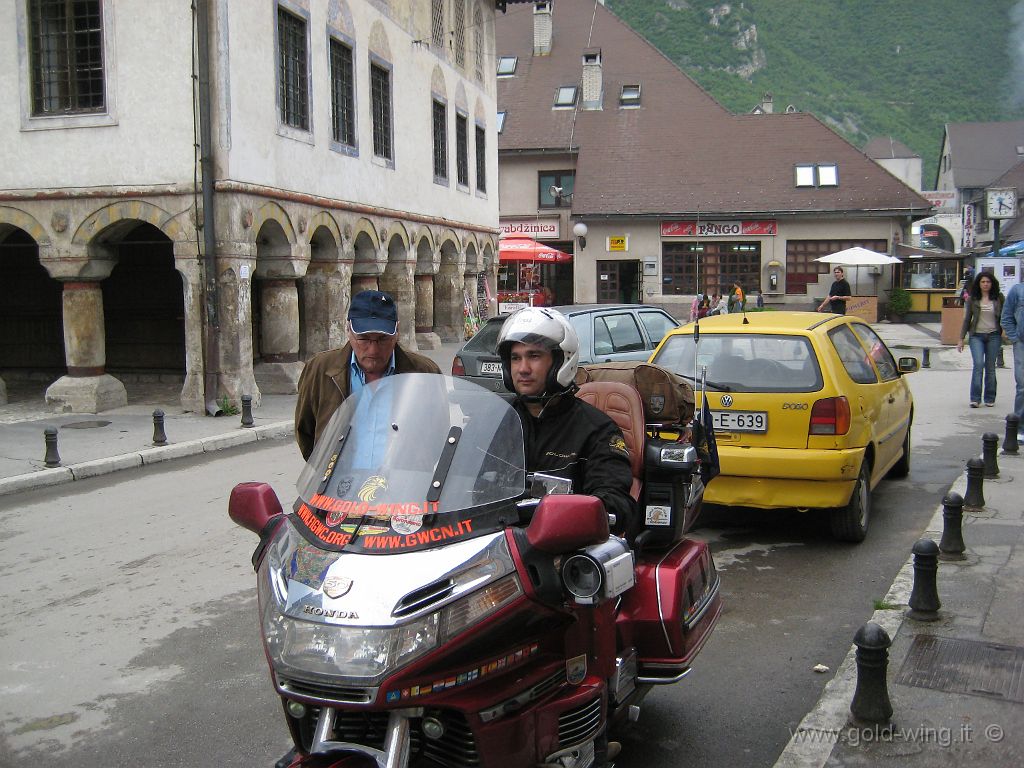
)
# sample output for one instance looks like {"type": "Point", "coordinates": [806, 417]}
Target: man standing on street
{"type": "Point", "coordinates": [1013, 326]}
{"type": "Point", "coordinates": [838, 293]}
{"type": "Point", "coordinates": [371, 353]}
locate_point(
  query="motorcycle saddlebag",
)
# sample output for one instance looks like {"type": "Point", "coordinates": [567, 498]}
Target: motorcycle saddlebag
{"type": "Point", "coordinates": [668, 399]}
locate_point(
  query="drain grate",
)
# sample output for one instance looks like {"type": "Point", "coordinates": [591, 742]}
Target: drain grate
{"type": "Point", "coordinates": [965, 666]}
{"type": "Point", "coordinates": [85, 425]}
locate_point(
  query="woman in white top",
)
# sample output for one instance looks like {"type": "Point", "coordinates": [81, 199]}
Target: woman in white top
{"type": "Point", "coordinates": [982, 327]}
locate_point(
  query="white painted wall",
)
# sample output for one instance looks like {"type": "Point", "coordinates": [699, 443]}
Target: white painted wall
{"type": "Point", "coordinates": [144, 139]}
{"type": "Point", "coordinates": [258, 150]}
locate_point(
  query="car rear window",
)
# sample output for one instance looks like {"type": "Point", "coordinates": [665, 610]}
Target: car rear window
{"type": "Point", "coordinates": [486, 339]}
{"type": "Point", "coordinates": [745, 362]}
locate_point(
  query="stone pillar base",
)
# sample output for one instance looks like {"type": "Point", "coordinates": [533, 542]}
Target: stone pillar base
{"type": "Point", "coordinates": [429, 340]}
{"type": "Point", "coordinates": [277, 378]}
{"type": "Point", "coordinates": [86, 394]}
{"type": "Point", "coordinates": [192, 393]}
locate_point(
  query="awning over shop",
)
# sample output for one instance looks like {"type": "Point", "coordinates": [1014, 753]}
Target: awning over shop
{"type": "Point", "coordinates": [528, 249]}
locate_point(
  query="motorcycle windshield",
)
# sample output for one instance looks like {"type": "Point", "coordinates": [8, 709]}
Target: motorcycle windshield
{"type": "Point", "coordinates": [412, 461]}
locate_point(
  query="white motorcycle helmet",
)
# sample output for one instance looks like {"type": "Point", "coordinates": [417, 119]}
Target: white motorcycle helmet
{"type": "Point", "coordinates": [547, 328]}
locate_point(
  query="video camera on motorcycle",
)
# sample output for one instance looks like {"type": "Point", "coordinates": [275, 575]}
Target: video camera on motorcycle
{"type": "Point", "coordinates": [600, 572]}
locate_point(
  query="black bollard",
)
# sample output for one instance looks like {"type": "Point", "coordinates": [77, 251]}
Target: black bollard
{"type": "Point", "coordinates": [159, 436]}
{"type": "Point", "coordinates": [1010, 444]}
{"type": "Point", "coordinates": [871, 699]}
{"type": "Point", "coordinates": [975, 495]}
{"type": "Point", "coordinates": [989, 444]}
{"type": "Point", "coordinates": [926, 361]}
{"type": "Point", "coordinates": [951, 546]}
{"type": "Point", "coordinates": [924, 597]}
{"type": "Point", "coordinates": [52, 456]}
{"type": "Point", "coordinates": [247, 411]}
{"type": "Point", "coordinates": [1000, 363]}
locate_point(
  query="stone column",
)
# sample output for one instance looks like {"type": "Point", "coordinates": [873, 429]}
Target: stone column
{"type": "Point", "coordinates": [425, 336]}
{"type": "Point", "coordinates": [187, 263]}
{"type": "Point", "coordinates": [279, 343]}
{"type": "Point", "coordinates": [448, 320]}
{"type": "Point", "coordinates": [86, 388]}
{"type": "Point", "coordinates": [364, 283]}
{"type": "Point", "coordinates": [326, 293]}
{"type": "Point", "coordinates": [233, 359]}
{"type": "Point", "coordinates": [397, 280]}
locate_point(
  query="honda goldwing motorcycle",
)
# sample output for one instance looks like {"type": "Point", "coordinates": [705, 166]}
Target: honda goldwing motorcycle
{"type": "Point", "coordinates": [420, 606]}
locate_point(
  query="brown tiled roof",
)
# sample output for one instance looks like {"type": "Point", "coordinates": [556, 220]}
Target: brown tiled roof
{"type": "Point", "coordinates": [887, 148]}
{"type": "Point", "coordinates": [981, 152]}
{"type": "Point", "coordinates": [681, 152]}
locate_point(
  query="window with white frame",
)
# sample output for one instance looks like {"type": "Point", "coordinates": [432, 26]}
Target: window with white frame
{"type": "Point", "coordinates": [462, 150]}
{"type": "Point", "coordinates": [507, 65]}
{"type": "Point", "coordinates": [565, 96]}
{"type": "Point", "coordinates": [439, 114]}
{"type": "Point", "coordinates": [630, 96]}
{"type": "Point", "coordinates": [481, 159]}
{"type": "Point", "coordinates": [66, 52]}
{"type": "Point", "coordinates": [501, 121]}
{"type": "Point", "coordinates": [343, 111]}
{"type": "Point", "coordinates": [816, 175]}
{"type": "Point", "coordinates": [380, 110]}
{"type": "Point", "coordinates": [292, 70]}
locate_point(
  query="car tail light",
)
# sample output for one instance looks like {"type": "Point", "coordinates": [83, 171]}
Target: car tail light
{"type": "Point", "coordinates": [830, 416]}
{"type": "Point", "coordinates": [458, 369]}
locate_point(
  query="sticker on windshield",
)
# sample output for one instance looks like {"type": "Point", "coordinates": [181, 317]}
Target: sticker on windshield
{"type": "Point", "coordinates": [373, 484]}
{"type": "Point", "coordinates": [406, 523]}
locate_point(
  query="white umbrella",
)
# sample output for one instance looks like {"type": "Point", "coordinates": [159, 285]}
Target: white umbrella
{"type": "Point", "coordinates": [859, 257]}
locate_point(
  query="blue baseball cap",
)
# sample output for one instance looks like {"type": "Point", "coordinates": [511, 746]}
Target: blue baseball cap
{"type": "Point", "coordinates": [373, 312]}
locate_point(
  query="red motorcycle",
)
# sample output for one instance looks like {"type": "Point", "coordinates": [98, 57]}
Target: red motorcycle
{"type": "Point", "coordinates": [428, 602]}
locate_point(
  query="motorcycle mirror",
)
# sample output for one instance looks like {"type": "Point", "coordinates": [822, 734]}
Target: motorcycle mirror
{"type": "Point", "coordinates": [252, 505]}
{"type": "Point", "coordinates": [566, 522]}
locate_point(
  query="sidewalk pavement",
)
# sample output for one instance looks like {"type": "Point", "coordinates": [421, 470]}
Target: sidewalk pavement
{"type": "Point", "coordinates": [956, 684]}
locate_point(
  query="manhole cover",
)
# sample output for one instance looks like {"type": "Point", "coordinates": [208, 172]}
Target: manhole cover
{"type": "Point", "coordinates": [85, 425]}
{"type": "Point", "coordinates": [965, 666]}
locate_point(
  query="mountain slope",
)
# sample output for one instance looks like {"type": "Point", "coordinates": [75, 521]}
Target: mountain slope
{"type": "Point", "coordinates": [868, 68]}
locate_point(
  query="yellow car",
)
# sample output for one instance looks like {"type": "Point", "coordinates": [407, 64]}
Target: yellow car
{"type": "Point", "coordinates": [810, 410]}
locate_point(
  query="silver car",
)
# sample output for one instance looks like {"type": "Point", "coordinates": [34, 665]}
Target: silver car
{"type": "Point", "coordinates": [608, 333]}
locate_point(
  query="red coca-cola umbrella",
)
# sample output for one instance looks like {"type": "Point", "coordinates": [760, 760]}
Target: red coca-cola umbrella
{"type": "Point", "coordinates": [528, 249]}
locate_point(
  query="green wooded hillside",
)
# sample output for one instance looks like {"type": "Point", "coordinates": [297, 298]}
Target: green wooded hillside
{"type": "Point", "coordinates": [867, 68]}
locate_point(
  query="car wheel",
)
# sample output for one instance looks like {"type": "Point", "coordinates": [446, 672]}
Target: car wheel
{"type": "Point", "coordinates": [850, 523]}
{"type": "Point", "coordinates": [902, 467]}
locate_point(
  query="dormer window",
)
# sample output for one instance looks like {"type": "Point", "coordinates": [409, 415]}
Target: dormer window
{"type": "Point", "coordinates": [566, 96]}
{"type": "Point", "coordinates": [630, 96]}
{"type": "Point", "coordinates": [817, 175]}
{"type": "Point", "coordinates": [507, 65]}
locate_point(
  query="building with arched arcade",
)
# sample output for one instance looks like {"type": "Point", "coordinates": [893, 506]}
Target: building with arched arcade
{"type": "Point", "coordinates": [197, 194]}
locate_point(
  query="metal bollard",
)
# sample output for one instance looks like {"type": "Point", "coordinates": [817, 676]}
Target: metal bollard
{"type": "Point", "coordinates": [52, 458]}
{"type": "Point", "coordinates": [247, 411]}
{"type": "Point", "coordinates": [924, 597]}
{"type": "Point", "coordinates": [1010, 444]}
{"type": "Point", "coordinates": [159, 436]}
{"type": "Point", "coordinates": [975, 494]}
{"type": "Point", "coordinates": [951, 545]}
{"type": "Point", "coordinates": [989, 444]}
{"type": "Point", "coordinates": [926, 359]}
{"type": "Point", "coordinates": [871, 699]}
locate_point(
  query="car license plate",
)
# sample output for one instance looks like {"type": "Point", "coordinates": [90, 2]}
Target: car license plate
{"type": "Point", "coordinates": [740, 421]}
{"type": "Point", "coordinates": [490, 368]}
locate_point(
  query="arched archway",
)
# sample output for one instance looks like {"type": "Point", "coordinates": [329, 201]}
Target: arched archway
{"type": "Point", "coordinates": [324, 295]}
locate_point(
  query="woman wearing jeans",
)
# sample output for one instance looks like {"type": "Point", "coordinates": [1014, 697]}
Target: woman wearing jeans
{"type": "Point", "coordinates": [982, 325]}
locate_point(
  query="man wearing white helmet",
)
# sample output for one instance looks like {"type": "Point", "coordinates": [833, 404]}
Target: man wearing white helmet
{"type": "Point", "coordinates": [564, 436]}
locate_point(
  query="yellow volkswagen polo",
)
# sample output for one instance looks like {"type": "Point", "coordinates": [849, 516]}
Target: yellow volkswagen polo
{"type": "Point", "coordinates": [810, 410]}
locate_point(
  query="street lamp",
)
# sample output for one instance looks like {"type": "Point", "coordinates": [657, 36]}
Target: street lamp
{"type": "Point", "coordinates": [580, 230]}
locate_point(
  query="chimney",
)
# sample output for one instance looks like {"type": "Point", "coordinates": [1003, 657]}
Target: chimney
{"type": "Point", "coordinates": [542, 27]}
{"type": "Point", "coordinates": [593, 86]}
{"type": "Point", "coordinates": [766, 103]}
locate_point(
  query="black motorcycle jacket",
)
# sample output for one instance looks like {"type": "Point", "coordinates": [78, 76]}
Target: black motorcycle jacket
{"type": "Point", "coordinates": [575, 440]}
